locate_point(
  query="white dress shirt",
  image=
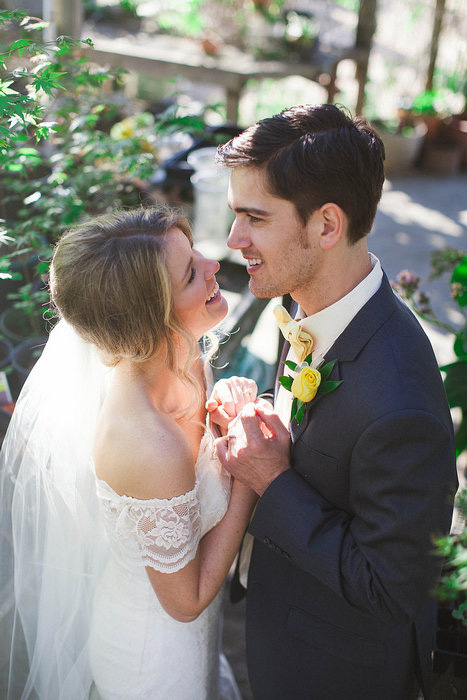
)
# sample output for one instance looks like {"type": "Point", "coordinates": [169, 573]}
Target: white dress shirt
{"type": "Point", "coordinates": [327, 325]}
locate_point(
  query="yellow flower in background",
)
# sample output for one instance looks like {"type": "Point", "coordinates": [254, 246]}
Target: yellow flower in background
{"type": "Point", "coordinates": [300, 340]}
{"type": "Point", "coordinates": [305, 385]}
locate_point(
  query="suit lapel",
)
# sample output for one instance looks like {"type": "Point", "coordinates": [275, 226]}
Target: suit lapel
{"type": "Point", "coordinates": [351, 342]}
{"type": "Point", "coordinates": [280, 368]}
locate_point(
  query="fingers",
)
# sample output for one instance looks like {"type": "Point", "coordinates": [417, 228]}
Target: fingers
{"type": "Point", "coordinates": [222, 446]}
{"type": "Point", "coordinates": [232, 395]}
{"type": "Point", "coordinates": [250, 423]}
{"type": "Point", "coordinates": [270, 419]}
{"type": "Point", "coordinates": [220, 417]}
{"type": "Point", "coordinates": [211, 404]}
{"type": "Point", "coordinates": [223, 449]}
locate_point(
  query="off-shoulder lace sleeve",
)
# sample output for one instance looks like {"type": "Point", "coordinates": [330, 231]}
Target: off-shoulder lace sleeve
{"type": "Point", "coordinates": [167, 532]}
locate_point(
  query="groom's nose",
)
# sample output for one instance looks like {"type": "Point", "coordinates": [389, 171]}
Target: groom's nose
{"type": "Point", "coordinates": [237, 236]}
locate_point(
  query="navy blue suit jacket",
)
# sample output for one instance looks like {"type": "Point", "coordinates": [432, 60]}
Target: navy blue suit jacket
{"type": "Point", "coordinates": [340, 602]}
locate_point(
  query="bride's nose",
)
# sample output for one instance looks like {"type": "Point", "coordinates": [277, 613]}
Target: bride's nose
{"type": "Point", "coordinates": [212, 266]}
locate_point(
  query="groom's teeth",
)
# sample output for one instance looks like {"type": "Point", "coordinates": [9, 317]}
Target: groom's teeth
{"type": "Point", "coordinates": [255, 262]}
{"type": "Point", "coordinates": [214, 292]}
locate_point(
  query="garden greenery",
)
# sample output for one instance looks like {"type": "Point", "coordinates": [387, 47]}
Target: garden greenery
{"type": "Point", "coordinates": [453, 547]}
{"type": "Point", "coordinates": [71, 146]}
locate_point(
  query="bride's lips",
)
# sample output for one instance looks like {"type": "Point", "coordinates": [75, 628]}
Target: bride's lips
{"type": "Point", "coordinates": [215, 294]}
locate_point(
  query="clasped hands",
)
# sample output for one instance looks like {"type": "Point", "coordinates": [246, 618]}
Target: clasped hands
{"type": "Point", "coordinates": [255, 446]}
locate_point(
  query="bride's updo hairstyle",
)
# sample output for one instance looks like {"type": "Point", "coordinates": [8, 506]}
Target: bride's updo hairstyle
{"type": "Point", "coordinates": [109, 280]}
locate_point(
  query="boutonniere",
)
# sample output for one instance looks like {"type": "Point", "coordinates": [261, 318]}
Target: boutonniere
{"type": "Point", "coordinates": [308, 382]}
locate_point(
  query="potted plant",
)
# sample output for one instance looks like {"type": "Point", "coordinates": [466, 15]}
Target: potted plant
{"type": "Point", "coordinates": [441, 151]}
{"type": "Point", "coordinates": [403, 142]}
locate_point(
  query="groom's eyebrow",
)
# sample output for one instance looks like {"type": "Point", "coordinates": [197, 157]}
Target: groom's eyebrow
{"type": "Point", "coordinates": [250, 210]}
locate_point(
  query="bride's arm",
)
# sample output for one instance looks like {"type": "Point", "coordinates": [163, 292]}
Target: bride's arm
{"type": "Point", "coordinates": [186, 593]}
{"type": "Point", "coordinates": [153, 464]}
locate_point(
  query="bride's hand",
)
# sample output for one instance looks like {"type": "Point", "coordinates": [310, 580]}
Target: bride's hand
{"type": "Point", "coordinates": [228, 397]}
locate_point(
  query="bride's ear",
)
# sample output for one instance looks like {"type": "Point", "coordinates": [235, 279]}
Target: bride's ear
{"type": "Point", "coordinates": [333, 225]}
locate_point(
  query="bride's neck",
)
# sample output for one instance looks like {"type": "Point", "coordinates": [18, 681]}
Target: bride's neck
{"type": "Point", "coordinates": [166, 388]}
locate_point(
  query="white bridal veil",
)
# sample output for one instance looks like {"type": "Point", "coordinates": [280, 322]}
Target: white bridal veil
{"type": "Point", "coordinates": [52, 543]}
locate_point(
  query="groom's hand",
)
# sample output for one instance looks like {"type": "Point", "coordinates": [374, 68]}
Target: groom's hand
{"type": "Point", "coordinates": [257, 448]}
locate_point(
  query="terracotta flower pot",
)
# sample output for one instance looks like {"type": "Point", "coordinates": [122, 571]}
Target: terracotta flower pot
{"type": "Point", "coordinates": [402, 149]}
{"type": "Point", "coordinates": [441, 158]}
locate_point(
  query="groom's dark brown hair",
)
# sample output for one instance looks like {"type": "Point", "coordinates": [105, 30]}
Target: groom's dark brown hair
{"type": "Point", "coordinates": [314, 154]}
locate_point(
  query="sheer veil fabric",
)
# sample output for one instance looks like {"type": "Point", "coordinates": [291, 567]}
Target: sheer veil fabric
{"type": "Point", "coordinates": [50, 520]}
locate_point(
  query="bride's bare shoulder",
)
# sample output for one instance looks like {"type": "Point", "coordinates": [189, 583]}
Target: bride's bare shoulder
{"type": "Point", "coordinates": [144, 454]}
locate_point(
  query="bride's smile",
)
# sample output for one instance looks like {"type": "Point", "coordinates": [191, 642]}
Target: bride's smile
{"type": "Point", "coordinates": [198, 301]}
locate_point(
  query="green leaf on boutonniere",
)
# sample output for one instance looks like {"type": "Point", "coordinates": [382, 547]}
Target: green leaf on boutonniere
{"type": "Point", "coordinates": [294, 408]}
{"type": "Point", "coordinates": [327, 387]}
{"type": "Point", "coordinates": [291, 365]}
{"type": "Point", "coordinates": [300, 411]}
{"type": "Point", "coordinates": [308, 358]}
{"type": "Point", "coordinates": [286, 382]}
{"type": "Point", "coordinates": [326, 369]}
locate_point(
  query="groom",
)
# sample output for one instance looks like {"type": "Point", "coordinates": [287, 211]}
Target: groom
{"type": "Point", "coordinates": [340, 602]}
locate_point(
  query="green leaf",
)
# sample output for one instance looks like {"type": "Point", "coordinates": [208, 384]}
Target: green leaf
{"type": "Point", "coordinates": [290, 364]}
{"type": "Point", "coordinates": [294, 408]}
{"type": "Point", "coordinates": [300, 411]}
{"type": "Point", "coordinates": [455, 383]}
{"type": "Point", "coordinates": [461, 434]}
{"type": "Point", "coordinates": [19, 46]}
{"type": "Point", "coordinates": [286, 382]}
{"type": "Point", "coordinates": [14, 167]}
{"type": "Point", "coordinates": [460, 344]}
{"type": "Point", "coordinates": [308, 358]}
{"type": "Point", "coordinates": [327, 387]}
{"type": "Point", "coordinates": [459, 277]}
{"type": "Point", "coordinates": [326, 369]}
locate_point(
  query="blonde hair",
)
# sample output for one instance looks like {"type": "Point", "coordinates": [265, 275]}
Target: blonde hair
{"type": "Point", "coordinates": [109, 280]}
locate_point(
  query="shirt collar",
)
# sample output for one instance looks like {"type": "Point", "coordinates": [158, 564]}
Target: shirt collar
{"type": "Point", "coordinates": [327, 325]}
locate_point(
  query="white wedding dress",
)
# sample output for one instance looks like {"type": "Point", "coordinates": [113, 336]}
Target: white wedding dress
{"type": "Point", "coordinates": [78, 615]}
{"type": "Point", "coordinates": [136, 650]}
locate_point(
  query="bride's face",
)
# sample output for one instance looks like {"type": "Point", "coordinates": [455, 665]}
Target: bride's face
{"type": "Point", "coordinates": [197, 298]}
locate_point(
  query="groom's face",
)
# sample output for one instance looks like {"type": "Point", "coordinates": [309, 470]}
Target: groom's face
{"type": "Point", "coordinates": [281, 253]}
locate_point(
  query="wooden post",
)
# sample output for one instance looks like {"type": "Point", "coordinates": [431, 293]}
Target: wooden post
{"type": "Point", "coordinates": [232, 104]}
{"type": "Point", "coordinates": [65, 17]}
{"type": "Point", "coordinates": [365, 30]}
{"type": "Point", "coordinates": [437, 26]}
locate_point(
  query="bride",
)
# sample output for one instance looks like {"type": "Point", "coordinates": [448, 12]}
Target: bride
{"type": "Point", "coordinates": [118, 525]}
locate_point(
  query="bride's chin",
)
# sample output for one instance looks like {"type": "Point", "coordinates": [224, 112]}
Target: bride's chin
{"type": "Point", "coordinates": [223, 310]}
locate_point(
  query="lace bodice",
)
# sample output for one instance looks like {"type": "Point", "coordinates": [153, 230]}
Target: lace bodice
{"type": "Point", "coordinates": [164, 533]}
{"type": "Point", "coordinates": [137, 651]}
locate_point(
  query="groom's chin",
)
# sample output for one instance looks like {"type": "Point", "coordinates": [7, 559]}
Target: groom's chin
{"type": "Point", "coordinates": [261, 292]}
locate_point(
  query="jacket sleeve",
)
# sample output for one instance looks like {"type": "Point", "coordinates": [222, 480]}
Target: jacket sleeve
{"type": "Point", "coordinates": [378, 556]}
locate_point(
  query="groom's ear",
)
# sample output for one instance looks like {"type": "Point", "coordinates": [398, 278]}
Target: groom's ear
{"type": "Point", "coordinates": [333, 225]}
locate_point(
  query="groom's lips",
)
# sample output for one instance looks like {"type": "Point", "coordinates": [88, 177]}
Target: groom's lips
{"type": "Point", "coordinates": [253, 264]}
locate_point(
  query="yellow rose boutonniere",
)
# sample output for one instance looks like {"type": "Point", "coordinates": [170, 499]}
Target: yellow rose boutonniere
{"type": "Point", "coordinates": [306, 384]}
{"type": "Point", "coordinates": [307, 381]}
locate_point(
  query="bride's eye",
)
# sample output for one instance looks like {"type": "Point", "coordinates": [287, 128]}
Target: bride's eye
{"type": "Point", "coordinates": [192, 275]}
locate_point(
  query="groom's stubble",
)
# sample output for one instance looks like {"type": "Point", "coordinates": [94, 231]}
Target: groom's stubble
{"type": "Point", "coordinates": [294, 269]}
